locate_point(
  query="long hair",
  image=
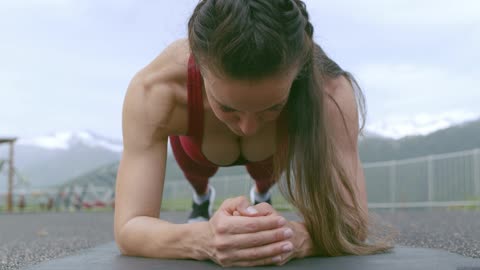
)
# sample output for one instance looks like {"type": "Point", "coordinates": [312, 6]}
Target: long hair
{"type": "Point", "coordinates": [253, 39]}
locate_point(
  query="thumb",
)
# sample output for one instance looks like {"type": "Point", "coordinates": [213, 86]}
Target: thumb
{"type": "Point", "coordinates": [245, 209]}
{"type": "Point", "coordinates": [242, 203]}
{"type": "Point", "coordinates": [252, 211]}
{"type": "Point", "coordinates": [238, 206]}
{"type": "Point", "coordinates": [261, 209]}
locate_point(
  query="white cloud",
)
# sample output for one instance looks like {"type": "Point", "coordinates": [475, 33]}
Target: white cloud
{"type": "Point", "coordinates": [408, 87]}
{"type": "Point", "coordinates": [398, 125]}
{"type": "Point", "coordinates": [413, 12]}
{"type": "Point", "coordinates": [406, 99]}
{"type": "Point", "coordinates": [76, 57]}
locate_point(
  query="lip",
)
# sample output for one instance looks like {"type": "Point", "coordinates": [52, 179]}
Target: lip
{"type": "Point", "coordinates": [239, 133]}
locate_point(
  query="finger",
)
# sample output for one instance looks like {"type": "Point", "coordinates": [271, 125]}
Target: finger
{"type": "Point", "coordinates": [261, 262]}
{"type": "Point", "coordinates": [263, 252]}
{"type": "Point", "coordinates": [236, 213]}
{"type": "Point", "coordinates": [261, 209]}
{"type": "Point", "coordinates": [233, 204]}
{"type": "Point", "coordinates": [262, 238]}
{"type": "Point", "coordinates": [242, 225]}
{"type": "Point", "coordinates": [277, 260]}
{"type": "Point", "coordinates": [285, 258]}
{"type": "Point", "coordinates": [250, 211]}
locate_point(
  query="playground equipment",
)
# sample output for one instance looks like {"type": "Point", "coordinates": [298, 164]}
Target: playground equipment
{"type": "Point", "coordinates": [10, 160]}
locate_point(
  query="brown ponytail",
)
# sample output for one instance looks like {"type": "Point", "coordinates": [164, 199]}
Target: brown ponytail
{"type": "Point", "coordinates": [252, 39]}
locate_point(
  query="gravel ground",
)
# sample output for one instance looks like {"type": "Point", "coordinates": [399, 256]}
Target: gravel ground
{"type": "Point", "coordinates": [27, 239]}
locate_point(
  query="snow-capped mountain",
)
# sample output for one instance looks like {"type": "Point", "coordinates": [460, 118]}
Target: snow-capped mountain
{"type": "Point", "coordinates": [55, 158]}
{"type": "Point", "coordinates": [422, 124]}
{"type": "Point", "coordinates": [65, 140]}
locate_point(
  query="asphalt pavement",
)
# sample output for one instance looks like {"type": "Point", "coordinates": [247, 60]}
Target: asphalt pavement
{"type": "Point", "coordinates": [28, 239]}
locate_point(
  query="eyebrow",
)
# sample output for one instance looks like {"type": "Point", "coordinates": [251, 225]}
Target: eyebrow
{"type": "Point", "coordinates": [270, 108]}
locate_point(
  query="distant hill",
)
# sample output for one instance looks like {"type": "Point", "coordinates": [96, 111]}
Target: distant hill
{"type": "Point", "coordinates": [461, 137]}
{"type": "Point", "coordinates": [105, 175]}
{"type": "Point", "coordinates": [86, 158]}
{"type": "Point", "coordinates": [56, 158]}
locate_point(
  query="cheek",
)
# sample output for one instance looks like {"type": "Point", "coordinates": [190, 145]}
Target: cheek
{"type": "Point", "coordinates": [271, 116]}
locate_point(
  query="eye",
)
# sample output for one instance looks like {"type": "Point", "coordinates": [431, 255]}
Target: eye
{"type": "Point", "coordinates": [276, 108]}
{"type": "Point", "coordinates": [226, 109]}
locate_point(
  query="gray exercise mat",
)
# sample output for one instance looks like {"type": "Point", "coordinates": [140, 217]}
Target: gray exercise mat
{"type": "Point", "coordinates": [108, 257]}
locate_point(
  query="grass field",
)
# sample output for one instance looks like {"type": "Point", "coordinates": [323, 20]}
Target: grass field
{"type": "Point", "coordinates": [182, 204]}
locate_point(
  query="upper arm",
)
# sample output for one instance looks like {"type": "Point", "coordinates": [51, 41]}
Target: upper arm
{"type": "Point", "coordinates": [343, 123]}
{"type": "Point", "coordinates": [140, 178]}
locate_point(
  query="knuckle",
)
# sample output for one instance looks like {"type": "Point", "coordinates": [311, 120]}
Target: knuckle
{"type": "Point", "coordinates": [255, 253]}
{"type": "Point", "coordinates": [256, 241]}
{"type": "Point", "coordinates": [252, 226]}
{"type": "Point", "coordinates": [221, 227]}
{"type": "Point", "coordinates": [223, 260]}
{"type": "Point", "coordinates": [221, 244]}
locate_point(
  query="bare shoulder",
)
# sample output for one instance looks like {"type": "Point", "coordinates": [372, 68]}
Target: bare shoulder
{"type": "Point", "coordinates": [169, 65]}
{"type": "Point", "coordinates": [342, 112]}
{"type": "Point", "coordinates": [155, 98]}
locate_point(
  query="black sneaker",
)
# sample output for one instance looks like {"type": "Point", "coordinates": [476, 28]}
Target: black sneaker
{"type": "Point", "coordinates": [255, 202]}
{"type": "Point", "coordinates": [202, 212]}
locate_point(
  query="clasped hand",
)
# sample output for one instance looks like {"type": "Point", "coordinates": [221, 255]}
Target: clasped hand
{"type": "Point", "coordinates": [244, 235]}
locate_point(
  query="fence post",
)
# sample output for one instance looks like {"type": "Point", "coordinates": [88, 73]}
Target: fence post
{"type": "Point", "coordinates": [430, 173]}
{"type": "Point", "coordinates": [476, 171]}
{"type": "Point", "coordinates": [393, 183]}
{"type": "Point", "coordinates": [10, 179]}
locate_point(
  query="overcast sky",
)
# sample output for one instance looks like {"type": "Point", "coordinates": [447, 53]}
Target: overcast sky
{"type": "Point", "coordinates": [65, 65]}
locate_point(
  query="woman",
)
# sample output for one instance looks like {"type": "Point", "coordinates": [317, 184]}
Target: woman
{"type": "Point", "coordinates": [269, 98]}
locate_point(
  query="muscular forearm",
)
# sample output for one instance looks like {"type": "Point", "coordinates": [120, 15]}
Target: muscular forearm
{"type": "Point", "coordinates": [154, 238]}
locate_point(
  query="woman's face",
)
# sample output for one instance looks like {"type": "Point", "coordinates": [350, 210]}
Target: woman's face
{"type": "Point", "coordinates": [246, 106]}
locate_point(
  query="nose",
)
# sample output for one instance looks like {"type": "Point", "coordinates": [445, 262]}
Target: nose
{"type": "Point", "coordinates": [248, 124]}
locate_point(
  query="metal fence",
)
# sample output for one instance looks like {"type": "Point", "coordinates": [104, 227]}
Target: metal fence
{"type": "Point", "coordinates": [438, 180]}
{"type": "Point", "coordinates": [434, 181]}
{"type": "Point", "coordinates": [444, 180]}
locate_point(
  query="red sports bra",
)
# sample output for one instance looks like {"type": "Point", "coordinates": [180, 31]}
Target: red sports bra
{"type": "Point", "coordinates": [192, 142]}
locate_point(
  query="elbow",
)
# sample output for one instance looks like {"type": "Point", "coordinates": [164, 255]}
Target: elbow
{"type": "Point", "coordinates": [120, 242]}
{"type": "Point", "coordinates": [121, 239]}
{"type": "Point", "coordinates": [122, 249]}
